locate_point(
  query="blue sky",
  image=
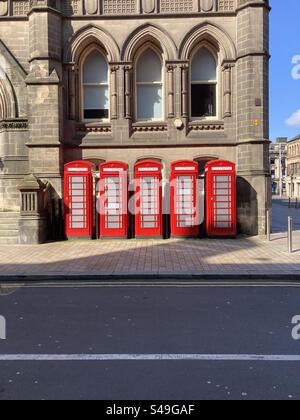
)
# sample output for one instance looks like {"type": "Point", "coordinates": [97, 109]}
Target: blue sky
{"type": "Point", "coordinates": [284, 89]}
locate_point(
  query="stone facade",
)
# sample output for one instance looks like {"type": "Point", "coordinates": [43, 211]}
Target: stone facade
{"type": "Point", "coordinates": [278, 160]}
{"type": "Point", "coordinates": [293, 168]}
{"type": "Point", "coordinates": [42, 43]}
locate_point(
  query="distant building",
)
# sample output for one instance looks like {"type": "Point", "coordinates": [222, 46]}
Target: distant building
{"type": "Point", "coordinates": [293, 168]}
{"type": "Point", "coordinates": [278, 160]}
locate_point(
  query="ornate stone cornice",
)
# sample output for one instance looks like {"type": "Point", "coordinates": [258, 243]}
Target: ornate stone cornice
{"type": "Point", "coordinates": [149, 128]}
{"type": "Point", "coordinates": [196, 126]}
{"type": "Point", "coordinates": [14, 125]}
{"type": "Point", "coordinates": [94, 128]}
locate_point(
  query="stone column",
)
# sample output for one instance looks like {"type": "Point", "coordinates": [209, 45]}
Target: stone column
{"type": "Point", "coordinates": [114, 93]}
{"type": "Point", "coordinates": [44, 91]}
{"type": "Point", "coordinates": [185, 90]}
{"type": "Point", "coordinates": [252, 114]}
{"type": "Point", "coordinates": [128, 92]}
{"type": "Point", "coordinates": [227, 91]}
{"type": "Point", "coordinates": [71, 92]}
{"type": "Point", "coordinates": [171, 92]}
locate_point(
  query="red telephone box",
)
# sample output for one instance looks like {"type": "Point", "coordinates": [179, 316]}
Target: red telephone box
{"type": "Point", "coordinates": [148, 199]}
{"type": "Point", "coordinates": [184, 199]}
{"type": "Point", "coordinates": [78, 199]}
{"type": "Point", "coordinates": [113, 200]}
{"type": "Point", "coordinates": [221, 198]}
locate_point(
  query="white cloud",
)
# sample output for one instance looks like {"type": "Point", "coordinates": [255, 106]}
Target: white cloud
{"type": "Point", "coordinates": [294, 120]}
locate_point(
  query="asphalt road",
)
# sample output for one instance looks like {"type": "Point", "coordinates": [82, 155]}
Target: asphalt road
{"type": "Point", "coordinates": [164, 322]}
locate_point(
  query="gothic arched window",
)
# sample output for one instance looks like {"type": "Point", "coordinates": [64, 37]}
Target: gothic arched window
{"type": "Point", "coordinates": [95, 87]}
{"type": "Point", "coordinates": [149, 87]}
{"type": "Point", "coordinates": [204, 84]}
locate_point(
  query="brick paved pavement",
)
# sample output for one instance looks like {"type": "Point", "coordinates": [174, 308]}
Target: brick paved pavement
{"type": "Point", "coordinates": [205, 256]}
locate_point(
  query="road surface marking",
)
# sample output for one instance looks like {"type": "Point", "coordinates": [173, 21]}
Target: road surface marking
{"type": "Point", "coordinates": [148, 357]}
{"type": "Point", "coordinates": [147, 284]}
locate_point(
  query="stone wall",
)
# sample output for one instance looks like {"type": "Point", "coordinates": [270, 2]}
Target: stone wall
{"type": "Point", "coordinates": [44, 43]}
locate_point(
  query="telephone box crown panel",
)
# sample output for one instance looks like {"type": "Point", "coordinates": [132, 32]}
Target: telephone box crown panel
{"type": "Point", "coordinates": [148, 199]}
{"type": "Point", "coordinates": [114, 200]}
{"type": "Point", "coordinates": [184, 199]}
{"type": "Point", "coordinates": [221, 212]}
{"type": "Point", "coordinates": [78, 199]}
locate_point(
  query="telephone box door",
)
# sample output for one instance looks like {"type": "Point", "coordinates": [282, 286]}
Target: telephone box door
{"type": "Point", "coordinates": [113, 200]}
{"type": "Point", "coordinates": [78, 199]}
{"type": "Point", "coordinates": [148, 199]}
{"type": "Point", "coordinates": [221, 199]}
{"type": "Point", "coordinates": [184, 199]}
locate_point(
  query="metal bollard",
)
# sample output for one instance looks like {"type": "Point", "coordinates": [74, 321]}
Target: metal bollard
{"type": "Point", "coordinates": [268, 226]}
{"type": "Point", "coordinates": [290, 235]}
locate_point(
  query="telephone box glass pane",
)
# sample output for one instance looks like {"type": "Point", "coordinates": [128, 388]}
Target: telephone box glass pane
{"type": "Point", "coordinates": [113, 202]}
{"type": "Point", "coordinates": [77, 202]}
{"type": "Point", "coordinates": [149, 202]}
{"type": "Point", "coordinates": [185, 201]}
{"type": "Point", "coordinates": [223, 202]}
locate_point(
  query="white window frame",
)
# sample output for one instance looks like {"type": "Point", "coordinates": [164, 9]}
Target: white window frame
{"type": "Point", "coordinates": [162, 83]}
{"type": "Point", "coordinates": [84, 85]}
{"type": "Point", "coordinates": [206, 82]}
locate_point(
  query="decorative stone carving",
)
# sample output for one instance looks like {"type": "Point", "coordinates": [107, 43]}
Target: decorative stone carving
{"type": "Point", "coordinates": [207, 5]}
{"type": "Point", "coordinates": [119, 7]}
{"type": "Point", "coordinates": [206, 127]}
{"type": "Point", "coordinates": [3, 7]}
{"type": "Point", "coordinates": [177, 6]}
{"type": "Point", "coordinates": [129, 7]}
{"type": "Point", "coordinates": [227, 5]}
{"type": "Point", "coordinates": [43, 3]}
{"type": "Point", "coordinates": [91, 6]}
{"type": "Point", "coordinates": [149, 128]}
{"type": "Point", "coordinates": [20, 7]}
{"type": "Point", "coordinates": [87, 35]}
{"type": "Point", "coordinates": [94, 128]}
{"type": "Point", "coordinates": [141, 35]}
{"type": "Point", "coordinates": [148, 6]}
{"type": "Point", "coordinates": [72, 7]}
{"type": "Point", "coordinates": [224, 41]}
{"type": "Point", "coordinates": [14, 125]}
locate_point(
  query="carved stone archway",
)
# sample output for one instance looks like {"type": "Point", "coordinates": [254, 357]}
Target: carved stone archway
{"type": "Point", "coordinates": [149, 33]}
{"type": "Point", "coordinates": [86, 36]}
{"type": "Point", "coordinates": [213, 34]}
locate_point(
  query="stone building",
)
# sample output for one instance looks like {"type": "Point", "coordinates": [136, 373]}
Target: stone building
{"type": "Point", "coordinates": [278, 160]}
{"type": "Point", "coordinates": [103, 80]}
{"type": "Point", "coordinates": [293, 168]}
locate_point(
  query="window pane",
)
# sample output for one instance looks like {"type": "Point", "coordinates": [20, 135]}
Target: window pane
{"type": "Point", "coordinates": [96, 102]}
{"type": "Point", "coordinates": [149, 102]}
{"type": "Point", "coordinates": [203, 101]}
{"type": "Point", "coordinates": [149, 68]}
{"type": "Point", "coordinates": [204, 66]}
{"type": "Point", "coordinates": [95, 69]}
